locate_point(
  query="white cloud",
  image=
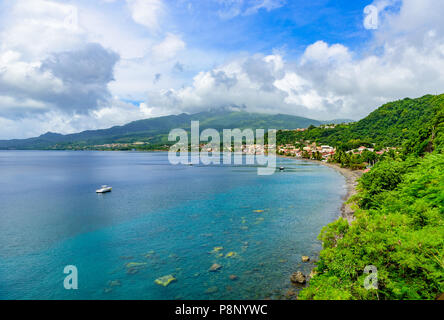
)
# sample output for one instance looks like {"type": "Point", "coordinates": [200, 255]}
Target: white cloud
{"type": "Point", "coordinates": [321, 52]}
{"type": "Point", "coordinates": [233, 8]}
{"type": "Point", "coordinates": [114, 113]}
{"type": "Point", "coordinates": [168, 48]}
{"type": "Point", "coordinates": [147, 12]}
{"type": "Point", "coordinates": [267, 5]}
{"type": "Point", "coordinates": [64, 83]}
{"type": "Point", "coordinates": [329, 80]}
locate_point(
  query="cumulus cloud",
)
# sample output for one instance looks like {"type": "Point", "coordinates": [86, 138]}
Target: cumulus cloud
{"type": "Point", "coordinates": [330, 80]}
{"type": "Point", "coordinates": [147, 12]}
{"type": "Point", "coordinates": [168, 48]}
{"type": "Point", "coordinates": [66, 84]}
{"type": "Point", "coordinates": [23, 85]}
{"type": "Point", "coordinates": [61, 76]}
{"type": "Point", "coordinates": [85, 74]}
{"type": "Point", "coordinates": [230, 84]}
{"type": "Point", "coordinates": [115, 112]}
{"type": "Point", "coordinates": [65, 81]}
{"type": "Point", "coordinates": [60, 71]}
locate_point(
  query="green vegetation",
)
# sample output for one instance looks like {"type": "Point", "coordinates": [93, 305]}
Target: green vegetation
{"type": "Point", "coordinates": [409, 125]}
{"type": "Point", "coordinates": [391, 125]}
{"type": "Point", "coordinates": [399, 225]}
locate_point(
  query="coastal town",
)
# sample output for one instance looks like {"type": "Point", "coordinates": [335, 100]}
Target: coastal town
{"type": "Point", "coordinates": [356, 156]}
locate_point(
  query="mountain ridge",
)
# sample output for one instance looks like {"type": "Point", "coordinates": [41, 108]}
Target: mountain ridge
{"type": "Point", "coordinates": [155, 130]}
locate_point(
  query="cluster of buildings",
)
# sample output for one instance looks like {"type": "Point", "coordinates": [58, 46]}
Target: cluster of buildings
{"type": "Point", "coordinates": [361, 149]}
{"type": "Point", "coordinates": [118, 145]}
{"type": "Point", "coordinates": [309, 149]}
{"type": "Point", "coordinates": [298, 130]}
{"type": "Point", "coordinates": [250, 149]}
{"type": "Point", "coordinates": [287, 150]}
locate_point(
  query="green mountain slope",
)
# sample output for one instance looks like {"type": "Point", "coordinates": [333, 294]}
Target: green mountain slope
{"type": "Point", "coordinates": [155, 130]}
{"type": "Point", "coordinates": [399, 217]}
{"type": "Point", "coordinates": [393, 124]}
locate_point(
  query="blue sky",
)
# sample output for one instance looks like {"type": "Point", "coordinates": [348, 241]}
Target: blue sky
{"type": "Point", "coordinates": [294, 26]}
{"type": "Point", "coordinates": [71, 65]}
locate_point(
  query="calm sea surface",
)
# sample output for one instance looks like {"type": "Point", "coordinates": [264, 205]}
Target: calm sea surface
{"type": "Point", "coordinates": [159, 220]}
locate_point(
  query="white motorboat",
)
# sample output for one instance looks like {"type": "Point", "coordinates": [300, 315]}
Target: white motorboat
{"type": "Point", "coordinates": [104, 189]}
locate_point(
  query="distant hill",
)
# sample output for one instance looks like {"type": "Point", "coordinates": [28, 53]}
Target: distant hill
{"type": "Point", "coordinates": [155, 130]}
{"type": "Point", "coordinates": [393, 124]}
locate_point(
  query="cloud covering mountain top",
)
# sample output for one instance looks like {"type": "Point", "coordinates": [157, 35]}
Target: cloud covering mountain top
{"type": "Point", "coordinates": [70, 67]}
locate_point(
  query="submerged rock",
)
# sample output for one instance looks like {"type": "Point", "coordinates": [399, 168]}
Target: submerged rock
{"type": "Point", "coordinates": [130, 265]}
{"type": "Point", "coordinates": [298, 278]}
{"type": "Point", "coordinates": [132, 271]}
{"type": "Point", "coordinates": [107, 290]}
{"type": "Point", "coordinates": [217, 249]}
{"type": "Point", "coordinates": [231, 254]}
{"type": "Point", "coordinates": [291, 294]}
{"type": "Point", "coordinates": [149, 254]}
{"type": "Point", "coordinates": [165, 280]}
{"type": "Point", "coordinates": [174, 256]}
{"type": "Point", "coordinates": [207, 235]}
{"type": "Point", "coordinates": [233, 277]}
{"type": "Point", "coordinates": [212, 290]}
{"type": "Point", "coordinates": [305, 258]}
{"type": "Point", "coordinates": [215, 267]}
{"type": "Point", "coordinates": [114, 283]}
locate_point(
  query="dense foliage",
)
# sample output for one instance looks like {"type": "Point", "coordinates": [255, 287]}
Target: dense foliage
{"type": "Point", "coordinates": [392, 125]}
{"type": "Point", "coordinates": [399, 225]}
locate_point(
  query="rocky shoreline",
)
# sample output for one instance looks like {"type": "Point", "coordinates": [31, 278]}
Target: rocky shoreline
{"type": "Point", "coordinates": [351, 180]}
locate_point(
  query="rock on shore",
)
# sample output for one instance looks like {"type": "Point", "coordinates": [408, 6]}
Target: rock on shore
{"type": "Point", "coordinates": [298, 278]}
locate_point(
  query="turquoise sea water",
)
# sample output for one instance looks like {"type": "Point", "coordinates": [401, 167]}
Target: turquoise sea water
{"type": "Point", "coordinates": [167, 219]}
